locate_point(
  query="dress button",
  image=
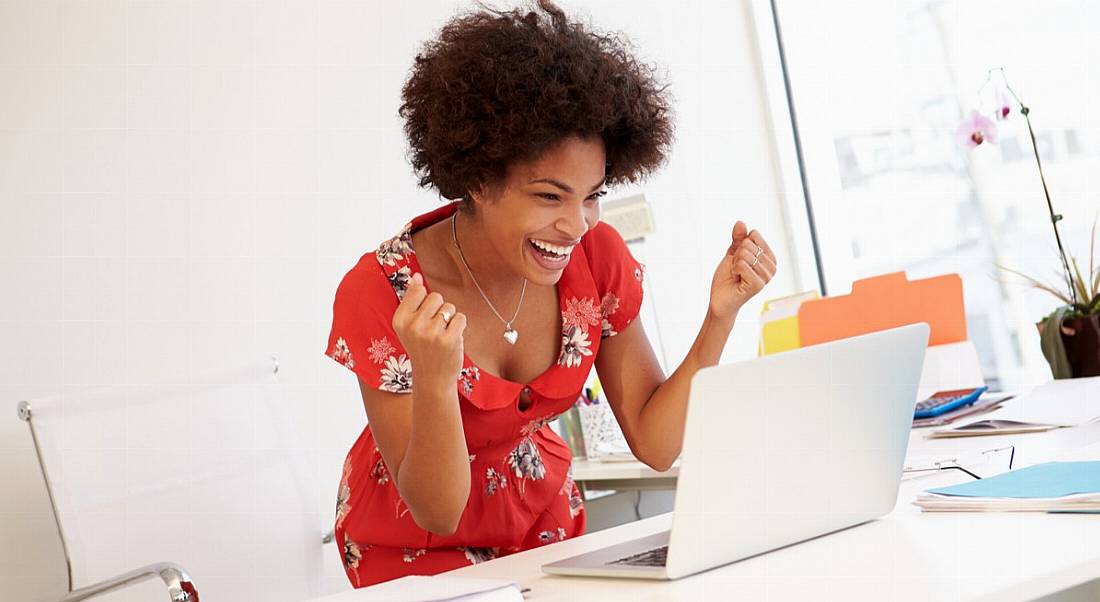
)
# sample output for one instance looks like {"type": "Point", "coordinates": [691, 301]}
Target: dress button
{"type": "Point", "coordinates": [525, 401]}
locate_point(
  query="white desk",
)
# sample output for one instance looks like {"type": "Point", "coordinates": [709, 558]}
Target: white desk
{"type": "Point", "coordinates": [906, 555]}
{"type": "Point", "coordinates": [633, 475]}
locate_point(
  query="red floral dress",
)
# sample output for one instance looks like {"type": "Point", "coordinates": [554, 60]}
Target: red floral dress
{"type": "Point", "coordinates": [522, 493]}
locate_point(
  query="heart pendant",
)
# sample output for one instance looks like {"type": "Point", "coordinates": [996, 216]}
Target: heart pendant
{"type": "Point", "coordinates": [511, 336]}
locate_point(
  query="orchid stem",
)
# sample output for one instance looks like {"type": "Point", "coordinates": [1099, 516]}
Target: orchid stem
{"type": "Point", "coordinates": [1054, 218]}
{"type": "Point", "coordinates": [1050, 206]}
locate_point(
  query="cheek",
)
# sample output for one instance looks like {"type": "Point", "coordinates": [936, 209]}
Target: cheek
{"type": "Point", "coordinates": [534, 222]}
{"type": "Point", "coordinates": [593, 216]}
{"type": "Point", "coordinates": [507, 228]}
{"type": "Point", "coordinates": [513, 237]}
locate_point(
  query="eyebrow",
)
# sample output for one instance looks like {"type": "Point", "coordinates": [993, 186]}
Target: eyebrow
{"type": "Point", "coordinates": [564, 186]}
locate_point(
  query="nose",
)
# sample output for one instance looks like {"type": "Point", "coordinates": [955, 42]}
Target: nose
{"type": "Point", "coordinates": [578, 219]}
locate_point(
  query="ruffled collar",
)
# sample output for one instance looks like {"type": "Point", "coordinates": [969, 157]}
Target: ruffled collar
{"type": "Point", "coordinates": [578, 301]}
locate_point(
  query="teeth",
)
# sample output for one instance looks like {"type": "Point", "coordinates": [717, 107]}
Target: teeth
{"type": "Point", "coordinates": [545, 246]}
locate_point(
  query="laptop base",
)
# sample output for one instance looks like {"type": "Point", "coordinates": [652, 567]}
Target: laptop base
{"type": "Point", "coordinates": [597, 562]}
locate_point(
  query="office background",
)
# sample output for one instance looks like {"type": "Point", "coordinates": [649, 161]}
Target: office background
{"type": "Point", "coordinates": [184, 183]}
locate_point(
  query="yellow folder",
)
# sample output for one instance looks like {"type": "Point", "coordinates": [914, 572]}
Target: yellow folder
{"type": "Point", "coordinates": [779, 323]}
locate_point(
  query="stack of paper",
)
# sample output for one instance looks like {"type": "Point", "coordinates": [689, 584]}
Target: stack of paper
{"type": "Point", "coordinates": [1049, 487]}
{"type": "Point", "coordinates": [995, 427]}
{"type": "Point", "coordinates": [1062, 403]}
{"type": "Point", "coordinates": [437, 588]}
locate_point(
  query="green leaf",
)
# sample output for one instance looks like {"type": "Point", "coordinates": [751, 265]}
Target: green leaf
{"type": "Point", "coordinates": [1092, 249]}
{"type": "Point", "coordinates": [1094, 305]}
{"type": "Point", "coordinates": [1079, 281]}
{"type": "Point", "coordinates": [1039, 285]}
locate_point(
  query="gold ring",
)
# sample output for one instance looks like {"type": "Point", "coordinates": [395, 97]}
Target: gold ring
{"type": "Point", "coordinates": [759, 251]}
{"type": "Point", "coordinates": [755, 262]}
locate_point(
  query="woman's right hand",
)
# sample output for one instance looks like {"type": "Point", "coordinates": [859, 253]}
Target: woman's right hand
{"type": "Point", "coordinates": [434, 346]}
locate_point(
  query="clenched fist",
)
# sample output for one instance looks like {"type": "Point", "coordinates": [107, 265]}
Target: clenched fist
{"type": "Point", "coordinates": [747, 266]}
{"type": "Point", "coordinates": [432, 340]}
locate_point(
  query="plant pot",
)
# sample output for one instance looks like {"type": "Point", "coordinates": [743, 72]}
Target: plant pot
{"type": "Point", "coordinates": [1081, 337]}
{"type": "Point", "coordinates": [1083, 345]}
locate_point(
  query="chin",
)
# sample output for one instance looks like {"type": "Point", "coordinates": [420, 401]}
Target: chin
{"type": "Point", "coordinates": [542, 278]}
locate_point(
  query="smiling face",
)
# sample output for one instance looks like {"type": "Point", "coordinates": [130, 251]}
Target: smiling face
{"type": "Point", "coordinates": [537, 215]}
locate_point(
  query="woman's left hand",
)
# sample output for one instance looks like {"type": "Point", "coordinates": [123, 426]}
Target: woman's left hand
{"type": "Point", "coordinates": [748, 265]}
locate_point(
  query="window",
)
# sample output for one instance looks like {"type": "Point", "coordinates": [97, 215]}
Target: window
{"type": "Point", "coordinates": [879, 89]}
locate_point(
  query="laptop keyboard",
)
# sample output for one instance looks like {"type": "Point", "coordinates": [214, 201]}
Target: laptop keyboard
{"type": "Point", "coordinates": [654, 557]}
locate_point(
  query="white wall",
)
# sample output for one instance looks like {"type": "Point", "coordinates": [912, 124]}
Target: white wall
{"type": "Point", "coordinates": [183, 183]}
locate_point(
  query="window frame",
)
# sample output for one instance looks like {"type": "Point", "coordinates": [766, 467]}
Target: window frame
{"type": "Point", "coordinates": [793, 173]}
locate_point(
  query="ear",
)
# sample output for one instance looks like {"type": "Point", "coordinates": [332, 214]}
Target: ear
{"type": "Point", "coordinates": [471, 200]}
{"type": "Point", "coordinates": [484, 194]}
{"type": "Point", "coordinates": [478, 195]}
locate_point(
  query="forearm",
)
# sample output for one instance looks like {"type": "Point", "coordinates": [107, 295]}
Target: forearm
{"type": "Point", "coordinates": [660, 423]}
{"type": "Point", "coordinates": [434, 475]}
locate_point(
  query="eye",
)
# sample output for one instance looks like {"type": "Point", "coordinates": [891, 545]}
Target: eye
{"type": "Point", "coordinates": [597, 195]}
{"type": "Point", "coordinates": [547, 195]}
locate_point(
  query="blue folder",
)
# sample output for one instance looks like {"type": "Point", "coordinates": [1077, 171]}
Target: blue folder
{"type": "Point", "coordinates": [1049, 480]}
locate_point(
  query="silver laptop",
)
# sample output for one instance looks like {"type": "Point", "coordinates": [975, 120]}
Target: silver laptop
{"type": "Point", "coordinates": [778, 450]}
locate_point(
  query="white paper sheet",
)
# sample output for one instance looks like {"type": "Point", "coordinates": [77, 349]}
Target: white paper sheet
{"type": "Point", "coordinates": [435, 588]}
{"type": "Point", "coordinates": [1066, 402]}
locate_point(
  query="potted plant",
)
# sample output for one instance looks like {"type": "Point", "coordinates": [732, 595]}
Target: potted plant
{"type": "Point", "coordinates": [1069, 335]}
{"type": "Point", "coordinates": [1073, 347]}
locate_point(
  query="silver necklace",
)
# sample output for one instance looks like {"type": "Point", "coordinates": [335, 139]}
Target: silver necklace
{"type": "Point", "coordinates": [510, 334]}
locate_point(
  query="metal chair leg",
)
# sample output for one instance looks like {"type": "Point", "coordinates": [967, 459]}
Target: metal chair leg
{"type": "Point", "coordinates": [180, 586]}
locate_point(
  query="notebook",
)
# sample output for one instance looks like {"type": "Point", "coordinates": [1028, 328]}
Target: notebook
{"type": "Point", "coordinates": [1048, 487]}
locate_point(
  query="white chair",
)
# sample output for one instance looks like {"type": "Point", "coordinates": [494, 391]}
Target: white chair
{"type": "Point", "coordinates": [211, 475]}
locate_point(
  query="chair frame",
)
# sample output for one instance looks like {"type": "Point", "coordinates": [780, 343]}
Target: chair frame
{"type": "Point", "coordinates": [181, 587]}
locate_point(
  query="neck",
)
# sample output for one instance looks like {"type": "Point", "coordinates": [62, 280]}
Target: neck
{"type": "Point", "coordinates": [500, 283]}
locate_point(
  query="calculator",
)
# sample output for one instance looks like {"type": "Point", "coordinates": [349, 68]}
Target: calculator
{"type": "Point", "coordinates": [945, 401]}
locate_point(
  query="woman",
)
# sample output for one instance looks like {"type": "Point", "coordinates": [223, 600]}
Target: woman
{"type": "Point", "coordinates": [479, 322]}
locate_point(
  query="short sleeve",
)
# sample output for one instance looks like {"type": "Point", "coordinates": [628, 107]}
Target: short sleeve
{"type": "Point", "coordinates": [618, 277]}
{"type": "Point", "coordinates": [362, 338]}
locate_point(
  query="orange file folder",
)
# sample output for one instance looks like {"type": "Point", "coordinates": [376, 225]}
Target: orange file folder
{"type": "Point", "coordinates": [887, 301]}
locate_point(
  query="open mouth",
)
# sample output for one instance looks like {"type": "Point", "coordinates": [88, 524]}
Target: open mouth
{"type": "Point", "coordinates": [552, 256]}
